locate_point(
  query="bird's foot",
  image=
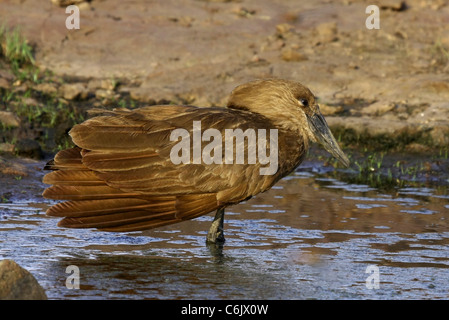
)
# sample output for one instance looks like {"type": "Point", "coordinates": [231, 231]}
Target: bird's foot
{"type": "Point", "coordinates": [215, 235]}
{"type": "Point", "coordinates": [216, 232]}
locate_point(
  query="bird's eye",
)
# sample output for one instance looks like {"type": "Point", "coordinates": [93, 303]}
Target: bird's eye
{"type": "Point", "coordinates": [304, 102]}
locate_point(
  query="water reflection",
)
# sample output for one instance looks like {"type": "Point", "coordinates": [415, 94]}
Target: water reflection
{"type": "Point", "coordinates": [311, 236]}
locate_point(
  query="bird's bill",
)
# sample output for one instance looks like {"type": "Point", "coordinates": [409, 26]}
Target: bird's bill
{"type": "Point", "coordinates": [324, 136]}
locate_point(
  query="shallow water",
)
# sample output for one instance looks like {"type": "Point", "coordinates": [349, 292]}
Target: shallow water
{"type": "Point", "coordinates": [310, 237]}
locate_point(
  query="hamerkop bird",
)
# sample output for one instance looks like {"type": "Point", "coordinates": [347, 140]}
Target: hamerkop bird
{"type": "Point", "coordinates": [121, 176]}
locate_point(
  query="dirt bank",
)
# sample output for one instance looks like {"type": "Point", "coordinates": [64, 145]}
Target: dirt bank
{"type": "Point", "coordinates": [385, 88]}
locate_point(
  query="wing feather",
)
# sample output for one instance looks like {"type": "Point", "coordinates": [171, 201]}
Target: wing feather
{"type": "Point", "coordinates": [120, 176]}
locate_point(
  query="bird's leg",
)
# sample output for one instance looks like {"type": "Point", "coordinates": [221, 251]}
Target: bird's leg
{"type": "Point", "coordinates": [215, 234]}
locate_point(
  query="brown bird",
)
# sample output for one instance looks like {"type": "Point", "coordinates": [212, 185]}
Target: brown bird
{"type": "Point", "coordinates": [122, 176]}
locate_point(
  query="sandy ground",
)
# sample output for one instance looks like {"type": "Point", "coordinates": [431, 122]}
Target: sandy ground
{"type": "Point", "coordinates": [389, 82]}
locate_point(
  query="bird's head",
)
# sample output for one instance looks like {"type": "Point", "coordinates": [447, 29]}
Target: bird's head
{"type": "Point", "coordinates": [289, 105]}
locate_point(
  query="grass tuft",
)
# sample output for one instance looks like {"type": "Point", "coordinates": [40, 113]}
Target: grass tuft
{"type": "Point", "coordinates": [15, 48]}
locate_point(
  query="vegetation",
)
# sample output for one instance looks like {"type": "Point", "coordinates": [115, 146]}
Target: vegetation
{"type": "Point", "coordinates": [45, 115]}
{"type": "Point", "coordinates": [15, 48]}
{"type": "Point", "coordinates": [387, 170]}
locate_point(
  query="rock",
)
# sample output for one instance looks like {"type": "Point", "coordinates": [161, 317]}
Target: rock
{"type": "Point", "coordinates": [46, 88]}
{"type": "Point", "coordinates": [292, 55]}
{"type": "Point", "coordinates": [104, 94]}
{"type": "Point", "coordinates": [28, 148]}
{"type": "Point", "coordinates": [12, 167]}
{"type": "Point", "coordinates": [394, 5]}
{"type": "Point", "coordinates": [31, 102]}
{"type": "Point", "coordinates": [4, 84]}
{"type": "Point", "coordinates": [65, 3]}
{"type": "Point", "coordinates": [106, 84]}
{"type": "Point", "coordinates": [377, 108]}
{"type": "Point", "coordinates": [9, 119]}
{"type": "Point", "coordinates": [84, 6]}
{"type": "Point", "coordinates": [72, 91]}
{"type": "Point", "coordinates": [326, 32]}
{"type": "Point", "coordinates": [16, 283]}
{"type": "Point", "coordinates": [284, 28]}
{"type": "Point", "coordinates": [6, 147]}
{"type": "Point", "coordinates": [328, 110]}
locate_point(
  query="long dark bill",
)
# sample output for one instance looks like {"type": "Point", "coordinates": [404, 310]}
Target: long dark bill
{"type": "Point", "coordinates": [324, 136]}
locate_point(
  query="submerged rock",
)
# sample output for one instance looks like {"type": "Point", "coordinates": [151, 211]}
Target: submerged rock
{"type": "Point", "coordinates": [16, 283]}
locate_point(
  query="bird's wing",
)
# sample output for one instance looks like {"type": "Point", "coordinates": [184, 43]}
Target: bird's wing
{"type": "Point", "coordinates": [131, 152]}
{"type": "Point", "coordinates": [120, 176]}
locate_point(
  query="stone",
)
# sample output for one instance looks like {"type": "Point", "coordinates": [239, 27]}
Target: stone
{"type": "Point", "coordinates": [6, 147]}
{"type": "Point", "coordinates": [72, 91]}
{"type": "Point", "coordinates": [29, 101]}
{"type": "Point", "coordinates": [394, 5]}
{"type": "Point", "coordinates": [104, 94]}
{"type": "Point", "coordinates": [284, 28]}
{"type": "Point", "coordinates": [16, 283]}
{"type": "Point", "coordinates": [108, 84]}
{"type": "Point", "coordinates": [4, 84]}
{"type": "Point", "coordinates": [10, 167]}
{"type": "Point", "coordinates": [9, 119]}
{"type": "Point", "coordinates": [105, 84]}
{"type": "Point", "coordinates": [65, 3]}
{"type": "Point", "coordinates": [46, 88]}
{"type": "Point", "coordinates": [326, 32]}
{"type": "Point", "coordinates": [292, 55]}
{"type": "Point", "coordinates": [328, 110]}
{"type": "Point", "coordinates": [377, 108]}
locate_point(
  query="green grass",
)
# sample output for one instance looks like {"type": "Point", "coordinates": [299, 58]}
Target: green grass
{"type": "Point", "coordinates": [15, 48]}
{"type": "Point", "coordinates": [371, 163]}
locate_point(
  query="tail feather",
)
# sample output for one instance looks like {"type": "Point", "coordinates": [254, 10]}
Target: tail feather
{"type": "Point", "coordinates": [114, 219]}
{"type": "Point", "coordinates": [74, 178]}
{"type": "Point", "coordinates": [61, 192]}
{"type": "Point", "coordinates": [95, 203]}
{"type": "Point", "coordinates": [87, 208]}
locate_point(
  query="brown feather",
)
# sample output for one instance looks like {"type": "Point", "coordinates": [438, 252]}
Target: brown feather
{"type": "Point", "coordinates": [61, 192]}
{"type": "Point", "coordinates": [119, 177]}
{"type": "Point", "coordinates": [87, 208]}
{"type": "Point", "coordinates": [115, 219]}
{"type": "Point", "coordinates": [73, 178]}
{"type": "Point", "coordinates": [96, 160]}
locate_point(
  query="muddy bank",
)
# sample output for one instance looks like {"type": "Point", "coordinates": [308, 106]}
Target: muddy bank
{"type": "Point", "coordinates": [385, 88]}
